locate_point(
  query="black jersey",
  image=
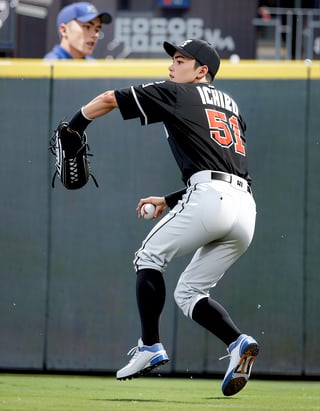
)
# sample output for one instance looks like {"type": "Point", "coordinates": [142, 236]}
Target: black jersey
{"type": "Point", "coordinates": [204, 127]}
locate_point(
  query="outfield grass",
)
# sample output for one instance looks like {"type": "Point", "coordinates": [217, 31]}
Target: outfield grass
{"type": "Point", "coordinates": [79, 393]}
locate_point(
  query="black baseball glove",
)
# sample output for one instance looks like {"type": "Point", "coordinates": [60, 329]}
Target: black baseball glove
{"type": "Point", "coordinates": [71, 151]}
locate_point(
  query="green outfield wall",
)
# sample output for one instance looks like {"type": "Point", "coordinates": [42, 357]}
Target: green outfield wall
{"type": "Point", "coordinates": [67, 284]}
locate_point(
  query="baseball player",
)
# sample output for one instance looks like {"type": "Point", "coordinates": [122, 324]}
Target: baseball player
{"type": "Point", "coordinates": [213, 216]}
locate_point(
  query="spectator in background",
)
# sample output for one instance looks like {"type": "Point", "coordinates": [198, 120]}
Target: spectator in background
{"type": "Point", "coordinates": [263, 9]}
{"type": "Point", "coordinates": [79, 26]}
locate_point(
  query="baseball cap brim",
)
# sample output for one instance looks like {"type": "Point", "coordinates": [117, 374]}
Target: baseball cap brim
{"type": "Point", "coordinates": [171, 49]}
{"type": "Point", "coordinates": [106, 18]}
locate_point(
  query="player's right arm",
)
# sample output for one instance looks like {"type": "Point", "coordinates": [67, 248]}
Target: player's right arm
{"type": "Point", "coordinates": [173, 198]}
{"type": "Point", "coordinates": [161, 203]}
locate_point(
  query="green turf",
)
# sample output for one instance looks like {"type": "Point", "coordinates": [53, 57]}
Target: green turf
{"type": "Point", "coordinates": [79, 393]}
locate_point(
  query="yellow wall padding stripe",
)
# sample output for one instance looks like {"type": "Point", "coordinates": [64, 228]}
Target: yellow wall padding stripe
{"type": "Point", "coordinates": [153, 69]}
{"type": "Point", "coordinates": [17, 68]}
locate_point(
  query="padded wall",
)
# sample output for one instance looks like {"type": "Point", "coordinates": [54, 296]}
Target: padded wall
{"type": "Point", "coordinates": [67, 294]}
{"type": "Point", "coordinates": [24, 230]}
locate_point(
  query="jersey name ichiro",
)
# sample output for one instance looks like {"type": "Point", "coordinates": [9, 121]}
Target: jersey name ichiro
{"type": "Point", "coordinates": [210, 95]}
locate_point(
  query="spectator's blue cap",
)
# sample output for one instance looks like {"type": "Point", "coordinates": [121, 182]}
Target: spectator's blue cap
{"type": "Point", "coordinates": [83, 12]}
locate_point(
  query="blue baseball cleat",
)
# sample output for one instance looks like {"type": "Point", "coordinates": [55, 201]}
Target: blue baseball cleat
{"type": "Point", "coordinates": [242, 353]}
{"type": "Point", "coordinates": [144, 359]}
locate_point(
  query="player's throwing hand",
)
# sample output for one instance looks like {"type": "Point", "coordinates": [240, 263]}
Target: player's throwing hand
{"type": "Point", "coordinates": [159, 203]}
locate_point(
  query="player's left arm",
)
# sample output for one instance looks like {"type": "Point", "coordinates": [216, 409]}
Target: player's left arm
{"type": "Point", "coordinates": [100, 105]}
{"type": "Point", "coordinates": [97, 107]}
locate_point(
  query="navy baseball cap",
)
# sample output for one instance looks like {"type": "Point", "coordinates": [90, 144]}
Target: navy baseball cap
{"type": "Point", "coordinates": [83, 12]}
{"type": "Point", "coordinates": [197, 49]}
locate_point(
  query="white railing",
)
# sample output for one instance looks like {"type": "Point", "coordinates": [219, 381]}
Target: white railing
{"type": "Point", "coordinates": [293, 31]}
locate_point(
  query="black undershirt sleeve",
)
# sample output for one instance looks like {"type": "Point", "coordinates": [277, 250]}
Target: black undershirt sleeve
{"type": "Point", "coordinates": [78, 122]}
{"type": "Point", "coordinates": [173, 198]}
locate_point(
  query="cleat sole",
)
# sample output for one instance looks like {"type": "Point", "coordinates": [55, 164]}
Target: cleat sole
{"type": "Point", "coordinates": [145, 371]}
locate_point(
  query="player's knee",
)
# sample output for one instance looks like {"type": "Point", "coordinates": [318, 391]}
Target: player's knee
{"type": "Point", "coordinates": [184, 299]}
{"type": "Point", "coordinates": [145, 259]}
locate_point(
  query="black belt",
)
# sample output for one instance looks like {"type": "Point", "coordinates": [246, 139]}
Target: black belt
{"type": "Point", "coordinates": [227, 178]}
{"type": "Point", "coordinates": [221, 176]}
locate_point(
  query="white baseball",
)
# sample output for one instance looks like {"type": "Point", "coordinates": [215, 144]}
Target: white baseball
{"type": "Point", "coordinates": [147, 211]}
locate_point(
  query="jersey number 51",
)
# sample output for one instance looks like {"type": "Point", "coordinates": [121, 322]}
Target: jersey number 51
{"type": "Point", "coordinates": [225, 130]}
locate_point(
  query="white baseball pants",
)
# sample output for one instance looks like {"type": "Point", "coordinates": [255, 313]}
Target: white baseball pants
{"type": "Point", "coordinates": [215, 219]}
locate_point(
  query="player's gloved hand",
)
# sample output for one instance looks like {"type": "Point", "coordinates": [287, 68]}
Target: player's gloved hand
{"type": "Point", "coordinates": [71, 151]}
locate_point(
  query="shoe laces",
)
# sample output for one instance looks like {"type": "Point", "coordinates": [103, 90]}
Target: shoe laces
{"type": "Point", "coordinates": [134, 351]}
{"type": "Point", "coordinates": [230, 349]}
{"type": "Point", "coordinates": [225, 356]}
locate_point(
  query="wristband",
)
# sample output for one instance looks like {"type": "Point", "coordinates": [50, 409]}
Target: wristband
{"type": "Point", "coordinates": [79, 122]}
{"type": "Point", "coordinates": [84, 115]}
